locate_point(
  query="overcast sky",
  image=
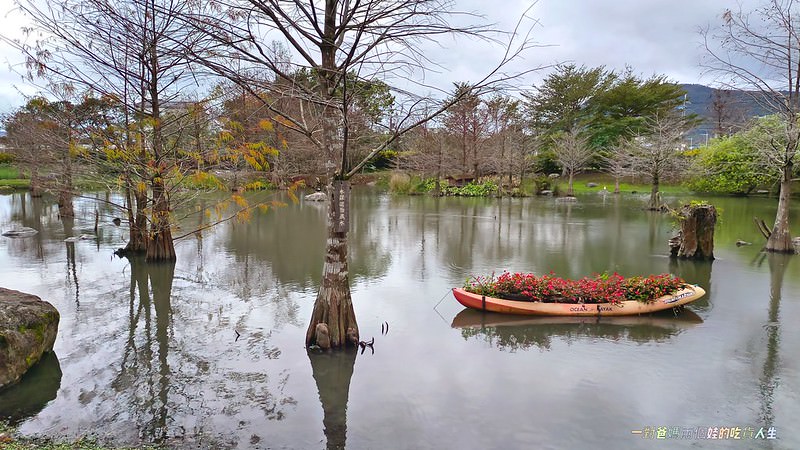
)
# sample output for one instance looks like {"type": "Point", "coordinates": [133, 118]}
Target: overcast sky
{"type": "Point", "coordinates": [651, 36]}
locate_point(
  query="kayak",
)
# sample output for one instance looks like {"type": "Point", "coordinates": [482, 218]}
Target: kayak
{"type": "Point", "coordinates": [686, 295]}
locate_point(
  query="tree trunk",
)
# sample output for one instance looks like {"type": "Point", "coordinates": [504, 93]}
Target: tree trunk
{"type": "Point", "coordinates": [570, 192]}
{"type": "Point", "coordinates": [334, 305]}
{"type": "Point", "coordinates": [696, 237]}
{"type": "Point", "coordinates": [616, 185]}
{"type": "Point", "coordinates": [655, 197]}
{"type": "Point", "coordinates": [35, 186]}
{"type": "Point", "coordinates": [65, 208]}
{"type": "Point", "coordinates": [159, 245]}
{"type": "Point", "coordinates": [781, 239]}
{"type": "Point", "coordinates": [139, 237]}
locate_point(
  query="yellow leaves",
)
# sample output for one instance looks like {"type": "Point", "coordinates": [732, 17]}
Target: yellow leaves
{"type": "Point", "coordinates": [205, 180]}
{"type": "Point", "coordinates": [225, 137]}
{"type": "Point", "coordinates": [239, 200]}
{"type": "Point", "coordinates": [292, 191]}
{"type": "Point", "coordinates": [266, 125]}
{"type": "Point", "coordinates": [77, 150]}
{"type": "Point", "coordinates": [235, 127]}
{"type": "Point", "coordinates": [141, 187]}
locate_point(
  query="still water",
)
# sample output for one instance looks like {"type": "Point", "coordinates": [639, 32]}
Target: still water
{"type": "Point", "coordinates": [209, 352]}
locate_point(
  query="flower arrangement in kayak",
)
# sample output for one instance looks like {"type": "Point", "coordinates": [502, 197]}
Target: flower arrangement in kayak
{"type": "Point", "coordinates": [602, 288]}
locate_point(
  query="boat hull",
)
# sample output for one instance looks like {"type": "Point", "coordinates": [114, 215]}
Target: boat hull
{"type": "Point", "coordinates": [625, 308]}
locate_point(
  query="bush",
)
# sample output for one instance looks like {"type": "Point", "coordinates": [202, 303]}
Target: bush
{"type": "Point", "coordinates": [6, 158]}
{"type": "Point", "coordinates": [400, 183]}
{"type": "Point", "coordinates": [259, 186]}
{"type": "Point", "coordinates": [472, 189]}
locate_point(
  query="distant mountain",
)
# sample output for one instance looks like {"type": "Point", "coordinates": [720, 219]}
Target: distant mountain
{"type": "Point", "coordinates": [699, 100]}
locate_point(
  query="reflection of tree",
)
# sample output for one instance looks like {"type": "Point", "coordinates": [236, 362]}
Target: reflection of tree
{"type": "Point", "coordinates": [34, 213]}
{"type": "Point", "coordinates": [174, 370]}
{"type": "Point", "coordinates": [332, 372]}
{"type": "Point", "coordinates": [150, 385]}
{"type": "Point", "coordinates": [694, 272]}
{"type": "Point", "coordinates": [778, 263]}
{"type": "Point", "coordinates": [291, 242]}
{"type": "Point", "coordinates": [72, 269]}
{"type": "Point", "coordinates": [520, 332]}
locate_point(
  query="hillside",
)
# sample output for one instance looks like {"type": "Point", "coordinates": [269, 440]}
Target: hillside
{"type": "Point", "coordinates": [740, 105]}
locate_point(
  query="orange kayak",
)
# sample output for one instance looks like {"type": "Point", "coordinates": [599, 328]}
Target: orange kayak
{"type": "Point", "coordinates": [626, 308]}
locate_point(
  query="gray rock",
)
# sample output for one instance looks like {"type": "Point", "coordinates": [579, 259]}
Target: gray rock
{"type": "Point", "coordinates": [20, 232]}
{"type": "Point", "coordinates": [316, 197]}
{"type": "Point", "coordinates": [28, 328]}
{"type": "Point", "coordinates": [566, 199]}
{"type": "Point", "coordinates": [591, 185]}
{"type": "Point", "coordinates": [83, 237]}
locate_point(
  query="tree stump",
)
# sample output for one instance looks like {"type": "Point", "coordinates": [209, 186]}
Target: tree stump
{"type": "Point", "coordinates": [695, 240]}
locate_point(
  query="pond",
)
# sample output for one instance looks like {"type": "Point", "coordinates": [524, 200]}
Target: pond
{"type": "Point", "coordinates": [209, 352]}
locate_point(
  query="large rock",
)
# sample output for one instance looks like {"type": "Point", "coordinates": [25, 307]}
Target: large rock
{"type": "Point", "coordinates": [28, 328]}
{"type": "Point", "coordinates": [316, 197]}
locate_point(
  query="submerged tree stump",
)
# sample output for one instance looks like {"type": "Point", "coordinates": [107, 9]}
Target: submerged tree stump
{"type": "Point", "coordinates": [695, 240]}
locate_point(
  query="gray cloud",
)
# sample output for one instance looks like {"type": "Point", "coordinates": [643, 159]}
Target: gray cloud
{"type": "Point", "coordinates": [651, 36]}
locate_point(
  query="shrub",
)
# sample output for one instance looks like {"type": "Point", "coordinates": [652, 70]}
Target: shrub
{"type": "Point", "coordinates": [6, 158]}
{"type": "Point", "coordinates": [400, 183]}
{"type": "Point", "coordinates": [259, 185]}
{"type": "Point", "coordinates": [473, 189]}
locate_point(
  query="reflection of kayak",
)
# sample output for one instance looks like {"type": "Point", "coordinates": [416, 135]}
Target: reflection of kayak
{"type": "Point", "coordinates": [626, 308]}
{"type": "Point", "coordinates": [470, 318]}
{"type": "Point", "coordinates": [521, 332]}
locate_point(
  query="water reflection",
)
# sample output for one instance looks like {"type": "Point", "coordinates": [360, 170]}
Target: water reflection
{"type": "Point", "coordinates": [332, 372]}
{"type": "Point", "coordinates": [36, 388]}
{"type": "Point", "coordinates": [695, 272]}
{"type": "Point", "coordinates": [768, 383]}
{"type": "Point", "coordinates": [144, 371]}
{"type": "Point", "coordinates": [208, 353]}
{"type": "Point", "coordinates": [509, 332]}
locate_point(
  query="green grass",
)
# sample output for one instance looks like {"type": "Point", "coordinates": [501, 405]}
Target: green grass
{"type": "Point", "coordinates": [8, 172]}
{"type": "Point", "coordinates": [15, 184]}
{"type": "Point", "coordinates": [579, 185]}
{"type": "Point", "coordinates": [11, 177]}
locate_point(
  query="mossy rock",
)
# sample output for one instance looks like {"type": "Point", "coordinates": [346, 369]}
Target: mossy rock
{"type": "Point", "coordinates": [28, 328]}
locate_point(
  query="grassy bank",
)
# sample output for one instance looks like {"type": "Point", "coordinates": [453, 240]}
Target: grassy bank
{"type": "Point", "coordinates": [11, 177]}
{"type": "Point", "coordinates": [10, 439]}
{"type": "Point", "coordinates": [580, 185]}
{"type": "Point", "coordinates": [400, 183]}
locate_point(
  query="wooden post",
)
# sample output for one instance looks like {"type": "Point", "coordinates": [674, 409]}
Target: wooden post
{"type": "Point", "coordinates": [696, 237]}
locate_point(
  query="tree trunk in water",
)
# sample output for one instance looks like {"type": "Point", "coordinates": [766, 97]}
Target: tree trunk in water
{"type": "Point", "coordinates": [137, 221]}
{"type": "Point", "coordinates": [65, 208]}
{"type": "Point", "coordinates": [696, 237]}
{"type": "Point", "coordinates": [35, 186]}
{"type": "Point", "coordinates": [780, 240]}
{"type": "Point", "coordinates": [616, 185]}
{"type": "Point", "coordinates": [334, 306]}
{"type": "Point", "coordinates": [655, 197]}
{"type": "Point", "coordinates": [159, 245]}
{"type": "Point", "coordinates": [570, 192]}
